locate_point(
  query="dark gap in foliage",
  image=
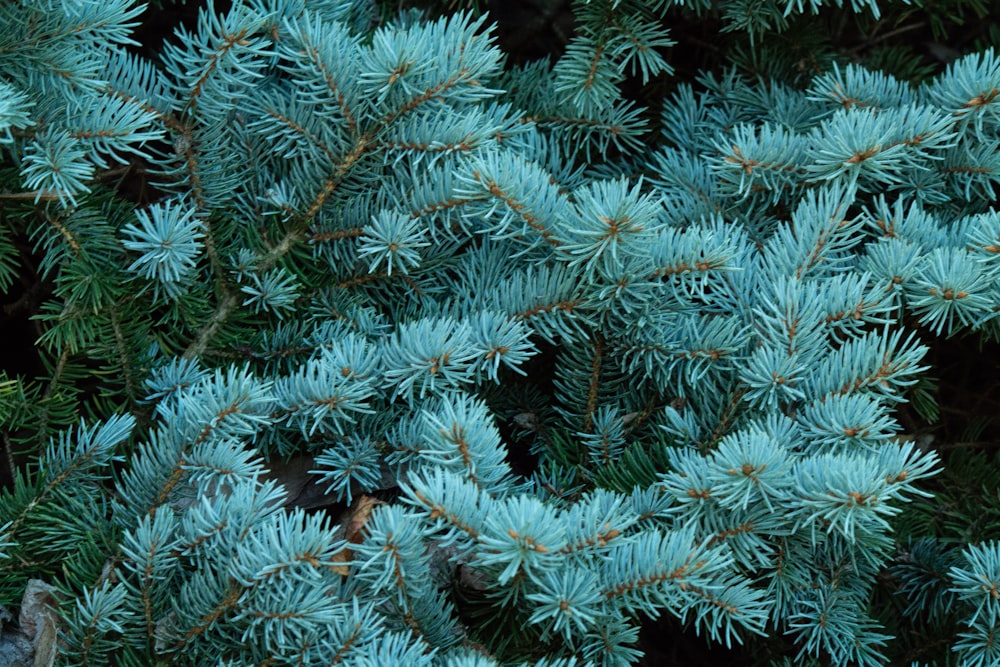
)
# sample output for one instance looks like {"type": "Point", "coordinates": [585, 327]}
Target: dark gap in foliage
{"type": "Point", "coordinates": [667, 643]}
{"type": "Point", "coordinates": [161, 19]}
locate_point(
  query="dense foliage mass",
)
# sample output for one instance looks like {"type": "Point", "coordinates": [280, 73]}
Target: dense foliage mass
{"type": "Point", "coordinates": [561, 352]}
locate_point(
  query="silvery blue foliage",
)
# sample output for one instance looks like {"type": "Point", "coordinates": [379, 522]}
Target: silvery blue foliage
{"type": "Point", "coordinates": [366, 253]}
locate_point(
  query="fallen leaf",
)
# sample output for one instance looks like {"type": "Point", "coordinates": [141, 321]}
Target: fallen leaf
{"type": "Point", "coordinates": [37, 620]}
{"type": "Point", "coordinates": [353, 525]}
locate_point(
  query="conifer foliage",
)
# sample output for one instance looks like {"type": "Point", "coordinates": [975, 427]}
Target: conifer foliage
{"type": "Point", "coordinates": [562, 362]}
